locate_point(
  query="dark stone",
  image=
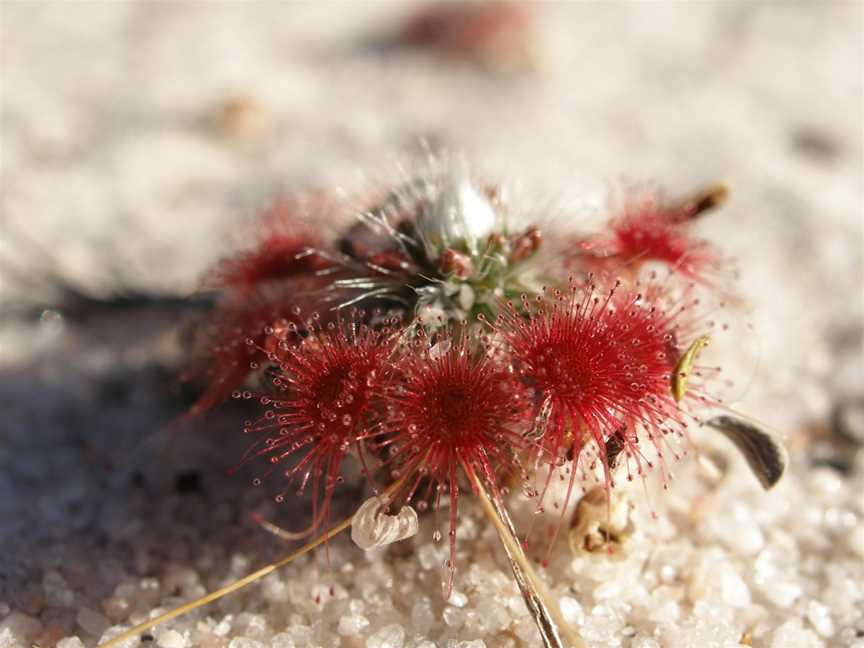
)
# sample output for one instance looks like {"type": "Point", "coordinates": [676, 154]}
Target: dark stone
{"type": "Point", "coordinates": [187, 483]}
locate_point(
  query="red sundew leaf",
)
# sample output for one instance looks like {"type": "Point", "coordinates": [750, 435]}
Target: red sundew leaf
{"type": "Point", "coordinates": [279, 256]}
{"type": "Point", "coordinates": [290, 245]}
{"type": "Point", "coordinates": [451, 404]}
{"type": "Point", "coordinates": [322, 404]}
{"type": "Point", "coordinates": [649, 231]}
{"type": "Point", "coordinates": [235, 341]}
{"type": "Point", "coordinates": [602, 363]}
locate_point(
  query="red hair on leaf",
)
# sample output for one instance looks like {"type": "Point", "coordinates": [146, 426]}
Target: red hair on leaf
{"type": "Point", "coordinates": [602, 361]}
{"type": "Point", "coordinates": [648, 230]}
{"type": "Point", "coordinates": [289, 246]}
{"type": "Point", "coordinates": [227, 358]}
{"type": "Point", "coordinates": [321, 406]}
{"type": "Point", "coordinates": [452, 405]}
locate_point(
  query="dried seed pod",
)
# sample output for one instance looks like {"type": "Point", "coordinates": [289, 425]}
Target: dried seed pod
{"type": "Point", "coordinates": [371, 527]}
{"type": "Point", "coordinates": [646, 228]}
{"type": "Point", "coordinates": [709, 198]}
{"type": "Point", "coordinates": [599, 522]}
{"type": "Point", "coordinates": [765, 454]}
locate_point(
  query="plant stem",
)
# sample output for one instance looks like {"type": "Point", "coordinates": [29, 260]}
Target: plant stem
{"type": "Point", "coordinates": [542, 607]}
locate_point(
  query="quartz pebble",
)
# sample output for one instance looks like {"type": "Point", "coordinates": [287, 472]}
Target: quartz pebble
{"type": "Point", "coordinates": [171, 639]}
{"type": "Point", "coordinates": [245, 642]}
{"type": "Point", "coordinates": [792, 633]}
{"type": "Point", "coordinates": [21, 626]}
{"type": "Point", "coordinates": [57, 592]}
{"type": "Point", "coordinates": [457, 599]}
{"type": "Point", "coordinates": [70, 642]}
{"type": "Point", "coordinates": [454, 617]}
{"type": "Point", "coordinates": [391, 636]}
{"type": "Point", "coordinates": [116, 608]}
{"type": "Point", "coordinates": [819, 617]}
{"type": "Point", "coordinates": [422, 616]}
{"type": "Point", "coordinates": [92, 622]}
{"type": "Point", "coordinates": [571, 610]}
{"type": "Point", "coordinates": [350, 625]}
{"type": "Point", "coordinates": [282, 640]}
{"type": "Point", "coordinates": [640, 641]}
{"type": "Point", "coordinates": [300, 634]}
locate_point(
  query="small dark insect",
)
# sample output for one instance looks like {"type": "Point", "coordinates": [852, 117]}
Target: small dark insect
{"type": "Point", "coordinates": [614, 446]}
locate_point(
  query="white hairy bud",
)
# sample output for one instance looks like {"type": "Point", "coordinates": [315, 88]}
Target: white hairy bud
{"type": "Point", "coordinates": [460, 213]}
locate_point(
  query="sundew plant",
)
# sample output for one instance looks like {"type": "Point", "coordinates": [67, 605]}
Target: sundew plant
{"type": "Point", "coordinates": [450, 349]}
